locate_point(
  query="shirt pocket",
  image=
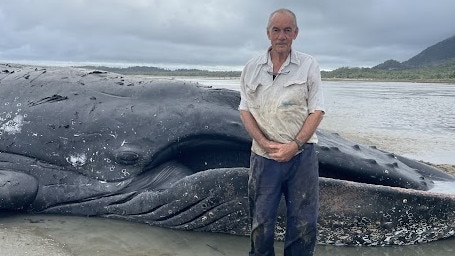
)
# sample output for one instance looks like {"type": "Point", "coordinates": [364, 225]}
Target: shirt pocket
{"type": "Point", "coordinates": [252, 87]}
{"type": "Point", "coordinates": [254, 97]}
{"type": "Point", "coordinates": [294, 94]}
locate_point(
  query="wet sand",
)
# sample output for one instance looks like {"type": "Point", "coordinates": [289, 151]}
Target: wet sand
{"type": "Point", "coordinates": [51, 235]}
{"type": "Point", "coordinates": [445, 167]}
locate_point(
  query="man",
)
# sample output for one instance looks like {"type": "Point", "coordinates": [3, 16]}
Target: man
{"type": "Point", "coordinates": [281, 107]}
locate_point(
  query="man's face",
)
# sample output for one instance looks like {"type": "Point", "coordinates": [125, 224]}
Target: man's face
{"type": "Point", "coordinates": [281, 32]}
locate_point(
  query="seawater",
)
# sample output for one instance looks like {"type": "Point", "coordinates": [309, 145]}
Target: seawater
{"type": "Point", "coordinates": [415, 120]}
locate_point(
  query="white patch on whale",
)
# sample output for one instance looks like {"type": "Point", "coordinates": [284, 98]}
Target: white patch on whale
{"type": "Point", "coordinates": [13, 126]}
{"type": "Point", "coordinates": [77, 160]}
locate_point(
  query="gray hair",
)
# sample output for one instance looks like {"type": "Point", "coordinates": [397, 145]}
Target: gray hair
{"type": "Point", "coordinates": [283, 10]}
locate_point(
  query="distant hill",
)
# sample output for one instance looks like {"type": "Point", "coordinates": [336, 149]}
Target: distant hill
{"type": "Point", "coordinates": [434, 64]}
{"type": "Point", "coordinates": [389, 65]}
{"type": "Point", "coordinates": [433, 55]}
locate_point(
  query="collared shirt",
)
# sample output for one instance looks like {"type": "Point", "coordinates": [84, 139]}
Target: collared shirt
{"type": "Point", "coordinates": [280, 105]}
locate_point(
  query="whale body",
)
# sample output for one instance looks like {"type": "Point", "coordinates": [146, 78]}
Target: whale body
{"type": "Point", "coordinates": [175, 154]}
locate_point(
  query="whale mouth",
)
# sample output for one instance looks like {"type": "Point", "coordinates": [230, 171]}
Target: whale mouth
{"type": "Point", "coordinates": [204, 152]}
{"type": "Point", "coordinates": [189, 156]}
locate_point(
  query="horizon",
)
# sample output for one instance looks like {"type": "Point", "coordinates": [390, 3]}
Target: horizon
{"type": "Point", "coordinates": [171, 67]}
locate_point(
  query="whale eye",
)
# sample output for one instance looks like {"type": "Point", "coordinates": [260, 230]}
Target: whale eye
{"type": "Point", "coordinates": [127, 157]}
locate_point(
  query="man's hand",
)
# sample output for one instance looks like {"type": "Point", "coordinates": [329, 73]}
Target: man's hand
{"type": "Point", "coordinates": [281, 152]}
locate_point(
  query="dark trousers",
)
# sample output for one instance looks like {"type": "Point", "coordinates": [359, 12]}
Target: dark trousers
{"type": "Point", "coordinates": [298, 181]}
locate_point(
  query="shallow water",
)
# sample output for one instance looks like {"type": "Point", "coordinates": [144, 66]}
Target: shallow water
{"type": "Point", "coordinates": [416, 120]}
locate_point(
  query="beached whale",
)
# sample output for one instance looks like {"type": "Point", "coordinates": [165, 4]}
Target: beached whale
{"type": "Point", "coordinates": [175, 154]}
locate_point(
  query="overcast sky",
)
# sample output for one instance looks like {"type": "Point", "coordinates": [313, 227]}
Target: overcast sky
{"type": "Point", "coordinates": [216, 33]}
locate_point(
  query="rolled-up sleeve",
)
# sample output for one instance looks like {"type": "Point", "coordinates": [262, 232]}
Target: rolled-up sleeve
{"type": "Point", "coordinates": [315, 96]}
{"type": "Point", "coordinates": [243, 102]}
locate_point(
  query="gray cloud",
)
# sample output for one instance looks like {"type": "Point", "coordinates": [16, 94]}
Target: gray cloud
{"type": "Point", "coordinates": [217, 33]}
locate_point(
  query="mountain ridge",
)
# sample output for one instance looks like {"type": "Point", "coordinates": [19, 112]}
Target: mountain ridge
{"type": "Point", "coordinates": [436, 63]}
{"type": "Point", "coordinates": [433, 55]}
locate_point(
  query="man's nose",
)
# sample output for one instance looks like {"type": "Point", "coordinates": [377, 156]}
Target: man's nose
{"type": "Point", "coordinates": [282, 35]}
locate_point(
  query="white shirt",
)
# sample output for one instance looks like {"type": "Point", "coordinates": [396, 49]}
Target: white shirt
{"type": "Point", "coordinates": [281, 105]}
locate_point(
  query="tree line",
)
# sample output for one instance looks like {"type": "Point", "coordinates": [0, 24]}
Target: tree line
{"type": "Point", "coordinates": [439, 73]}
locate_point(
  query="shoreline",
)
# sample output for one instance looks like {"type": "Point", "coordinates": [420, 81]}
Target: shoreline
{"type": "Point", "coordinates": [423, 81]}
{"type": "Point", "coordinates": [215, 74]}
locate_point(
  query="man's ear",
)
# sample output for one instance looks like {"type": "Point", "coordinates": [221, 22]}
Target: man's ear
{"type": "Point", "coordinates": [296, 32]}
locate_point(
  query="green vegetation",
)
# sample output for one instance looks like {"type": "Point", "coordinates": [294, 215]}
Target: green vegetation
{"type": "Point", "coordinates": [444, 72]}
{"type": "Point", "coordinates": [440, 73]}
{"type": "Point", "coordinates": [434, 64]}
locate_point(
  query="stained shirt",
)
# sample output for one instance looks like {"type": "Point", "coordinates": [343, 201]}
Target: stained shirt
{"type": "Point", "coordinates": [280, 105]}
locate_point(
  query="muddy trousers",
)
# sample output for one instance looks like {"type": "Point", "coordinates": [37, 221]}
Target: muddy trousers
{"type": "Point", "coordinates": [298, 181]}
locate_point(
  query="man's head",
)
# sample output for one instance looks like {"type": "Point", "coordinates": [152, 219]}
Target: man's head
{"type": "Point", "coordinates": [282, 29]}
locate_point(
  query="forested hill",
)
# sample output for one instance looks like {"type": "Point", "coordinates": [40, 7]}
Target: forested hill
{"type": "Point", "coordinates": [433, 55]}
{"type": "Point", "coordinates": [435, 63]}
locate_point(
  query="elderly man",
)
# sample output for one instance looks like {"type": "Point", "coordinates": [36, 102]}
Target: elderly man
{"type": "Point", "coordinates": [281, 107]}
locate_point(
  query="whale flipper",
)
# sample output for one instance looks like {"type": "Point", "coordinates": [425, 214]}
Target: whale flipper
{"type": "Point", "coordinates": [17, 190]}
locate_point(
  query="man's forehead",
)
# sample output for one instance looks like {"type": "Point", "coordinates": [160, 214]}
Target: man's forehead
{"type": "Point", "coordinates": [282, 20]}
